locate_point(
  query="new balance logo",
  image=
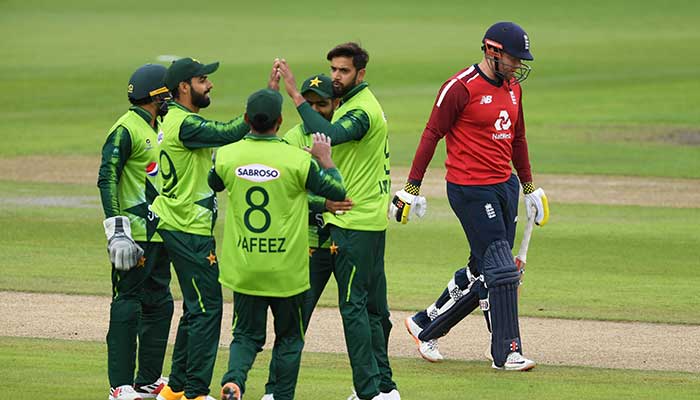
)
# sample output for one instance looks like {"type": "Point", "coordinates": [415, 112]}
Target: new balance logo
{"type": "Point", "coordinates": [490, 212]}
{"type": "Point", "coordinates": [512, 98]}
{"type": "Point", "coordinates": [486, 100]}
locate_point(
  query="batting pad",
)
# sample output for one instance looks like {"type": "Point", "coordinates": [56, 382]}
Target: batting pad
{"type": "Point", "coordinates": [503, 314]}
{"type": "Point", "coordinates": [457, 301]}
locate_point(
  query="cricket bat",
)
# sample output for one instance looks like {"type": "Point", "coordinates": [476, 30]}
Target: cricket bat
{"type": "Point", "coordinates": [521, 257]}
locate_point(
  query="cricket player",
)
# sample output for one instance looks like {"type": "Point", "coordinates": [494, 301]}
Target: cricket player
{"type": "Point", "coordinates": [359, 134]}
{"type": "Point", "coordinates": [142, 306]}
{"type": "Point", "coordinates": [265, 253]}
{"type": "Point", "coordinates": [318, 92]}
{"type": "Point", "coordinates": [479, 112]}
{"type": "Point", "coordinates": [187, 210]}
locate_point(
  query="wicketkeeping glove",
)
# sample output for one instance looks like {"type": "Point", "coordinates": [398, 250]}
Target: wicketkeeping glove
{"type": "Point", "coordinates": [405, 205]}
{"type": "Point", "coordinates": [124, 253]}
{"type": "Point", "coordinates": [537, 202]}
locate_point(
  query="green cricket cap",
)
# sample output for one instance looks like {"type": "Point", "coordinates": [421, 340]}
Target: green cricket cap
{"type": "Point", "coordinates": [320, 84]}
{"type": "Point", "coordinates": [263, 106]}
{"type": "Point", "coordinates": [185, 69]}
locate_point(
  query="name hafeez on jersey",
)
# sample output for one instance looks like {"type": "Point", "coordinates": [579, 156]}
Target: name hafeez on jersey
{"type": "Point", "coordinates": [262, 244]}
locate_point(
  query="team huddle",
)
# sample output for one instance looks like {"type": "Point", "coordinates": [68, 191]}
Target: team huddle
{"type": "Point", "coordinates": [300, 208]}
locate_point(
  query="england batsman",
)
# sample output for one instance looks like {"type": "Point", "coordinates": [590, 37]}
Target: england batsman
{"type": "Point", "coordinates": [479, 112]}
{"type": "Point", "coordinates": [142, 306]}
{"type": "Point", "coordinates": [265, 253]}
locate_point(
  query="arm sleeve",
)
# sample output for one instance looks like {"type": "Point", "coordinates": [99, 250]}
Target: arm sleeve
{"type": "Point", "coordinates": [214, 180]}
{"type": "Point", "coordinates": [449, 104]}
{"type": "Point", "coordinates": [317, 203]}
{"type": "Point", "coordinates": [353, 125]}
{"type": "Point", "coordinates": [115, 152]}
{"type": "Point", "coordinates": [325, 182]}
{"type": "Point", "coordinates": [521, 158]}
{"type": "Point", "coordinates": [197, 132]}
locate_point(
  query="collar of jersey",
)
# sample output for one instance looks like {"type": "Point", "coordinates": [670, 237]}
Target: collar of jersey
{"type": "Point", "coordinates": [354, 91]}
{"type": "Point", "coordinates": [257, 136]}
{"type": "Point", "coordinates": [174, 103]}
{"type": "Point", "coordinates": [497, 82]}
{"type": "Point", "coordinates": [142, 113]}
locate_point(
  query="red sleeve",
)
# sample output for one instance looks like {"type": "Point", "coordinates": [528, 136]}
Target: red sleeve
{"type": "Point", "coordinates": [521, 159]}
{"type": "Point", "coordinates": [449, 104]}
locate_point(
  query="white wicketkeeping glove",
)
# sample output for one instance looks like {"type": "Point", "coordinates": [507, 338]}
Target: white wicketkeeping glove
{"type": "Point", "coordinates": [124, 253]}
{"type": "Point", "coordinates": [537, 202]}
{"type": "Point", "coordinates": [405, 205]}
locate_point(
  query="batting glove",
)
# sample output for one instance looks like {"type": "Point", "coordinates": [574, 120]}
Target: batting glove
{"type": "Point", "coordinates": [405, 205]}
{"type": "Point", "coordinates": [536, 202]}
{"type": "Point", "coordinates": [124, 253]}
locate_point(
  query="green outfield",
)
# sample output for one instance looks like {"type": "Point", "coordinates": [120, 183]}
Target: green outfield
{"type": "Point", "coordinates": [325, 376]}
{"type": "Point", "coordinates": [614, 91]}
{"type": "Point", "coordinates": [592, 262]}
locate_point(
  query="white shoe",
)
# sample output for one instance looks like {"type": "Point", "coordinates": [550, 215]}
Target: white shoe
{"type": "Point", "coordinates": [124, 392]}
{"type": "Point", "coordinates": [428, 350]}
{"type": "Point", "coordinates": [393, 395]}
{"type": "Point", "coordinates": [516, 362]}
{"type": "Point", "coordinates": [268, 396]}
{"type": "Point", "coordinates": [151, 391]}
{"type": "Point", "coordinates": [353, 396]}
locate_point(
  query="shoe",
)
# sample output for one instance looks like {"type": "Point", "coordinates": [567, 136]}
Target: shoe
{"type": "Point", "coordinates": [166, 393]}
{"type": "Point", "coordinates": [231, 391]}
{"type": "Point", "coordinates": [428, 350]}
{"type": "Point", "coordinates": [268, 396]}
{"type": "Point", "coordinates": [353, 396]}
{"type": "Point", "coordinates": [516, 362]}
{"type": "Point", "coordinates": [124, 392]}
{"type": "Point", "coordinates": [393, 395]}
{"type": "Point", "coordinates": [202, 397]}
{"type": "Point", "coordinates": [151, 391]}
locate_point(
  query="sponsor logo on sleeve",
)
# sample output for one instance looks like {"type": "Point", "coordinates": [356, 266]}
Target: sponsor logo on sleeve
{"type": "Point", "coordinates": [257, 173]}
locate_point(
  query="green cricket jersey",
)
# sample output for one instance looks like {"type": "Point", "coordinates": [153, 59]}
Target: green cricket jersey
{"type": "Point", "coordinates": [128, 172]}
{"type": "Point", "coordinates": [318, 234]}
{"type": "Point", "coordinates": [364, 164]}
{"type": "Point", "coordinates": [186, 202]}
{"type": "Point", "coordinates": [265, 249]}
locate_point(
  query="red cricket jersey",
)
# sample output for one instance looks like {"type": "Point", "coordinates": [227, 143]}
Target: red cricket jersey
{"type": "Point", "coordinates": [484, 129]}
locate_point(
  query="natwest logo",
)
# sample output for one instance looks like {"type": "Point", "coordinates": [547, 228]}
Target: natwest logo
{"type": "Point", "coordinates": [257, 173]}
{"type": "Point", "coordinates": [503, 121]}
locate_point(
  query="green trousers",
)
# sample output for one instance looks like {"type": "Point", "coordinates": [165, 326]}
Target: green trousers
{"type": "Point", "coordinates": [362, 298]}
{"type": "Point", "coordinates": [197, 340]}
{"type": "Point", "coordinates": [249, 331]}
{"type": "Point", "coordinates": [321, 263]}
{"type": "Point", "coordinates": [139, 318]}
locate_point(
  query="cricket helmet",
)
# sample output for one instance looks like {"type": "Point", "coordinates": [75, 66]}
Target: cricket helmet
{"type": "Point", "coordinates": [509, 38]}
{"type": "Point", "coordinates": [147, 81]}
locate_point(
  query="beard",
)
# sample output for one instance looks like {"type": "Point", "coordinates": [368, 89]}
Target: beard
{"type": "Point", "coordinates": [200, 100]}
{"type": "Point", "coordinates": [339, 90]}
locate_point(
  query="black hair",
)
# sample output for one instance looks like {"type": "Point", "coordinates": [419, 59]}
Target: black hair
{"type": "Point", "coordinates": [261, 123]}
{"type": "Point", "coordinates": [360, 57]}
{"type": "Point", "coordinates": [176, 90]}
